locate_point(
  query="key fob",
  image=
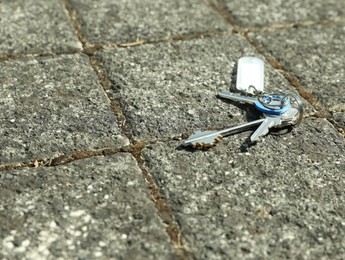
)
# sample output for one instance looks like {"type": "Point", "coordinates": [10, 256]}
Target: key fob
{"type": "Point", "coordinates": [250, 75]}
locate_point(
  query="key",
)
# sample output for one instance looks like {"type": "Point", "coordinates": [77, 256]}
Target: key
{"type": "Point", "coordinates": [269, 104]}
{"type": "Point", "coordinates": [263, 129]}
{"type": "Point", "coordinates": [205, 139]}
{"type": "Point", "coordinates": [288, 118]}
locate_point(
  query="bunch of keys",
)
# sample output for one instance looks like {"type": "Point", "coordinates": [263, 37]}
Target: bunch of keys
{"type": "Point", "coordinates": [279, 110]}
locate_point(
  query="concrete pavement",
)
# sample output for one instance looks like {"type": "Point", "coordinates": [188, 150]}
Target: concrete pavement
{"type": "Point", "coordinates": [97, 98]}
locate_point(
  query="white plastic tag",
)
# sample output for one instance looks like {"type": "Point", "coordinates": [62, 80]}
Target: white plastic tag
{"type": "Point", "coordinates": [250, 74]}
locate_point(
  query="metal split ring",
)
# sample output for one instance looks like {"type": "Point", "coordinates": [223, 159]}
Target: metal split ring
{"type": "Point", "coordinates": [285, 100]}
{"type": "Point", "coordinates": [299, 107]}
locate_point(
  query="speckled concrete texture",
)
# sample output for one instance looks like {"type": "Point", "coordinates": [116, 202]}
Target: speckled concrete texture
{"type": "Point", "coordinates": [276, 13]}
{"type": "Point", "coordinates": [281, 199]}
{"type": "Point", "coordinates": [53, 107]}
{"type": "Point", "coordinates": [98, 97]}
{"type": "Point", "coordinates": [128, 21]}
{"type": "Point", "coordinates": [33, 27]}
{"type": "Point", "coordinates": [93, 208]}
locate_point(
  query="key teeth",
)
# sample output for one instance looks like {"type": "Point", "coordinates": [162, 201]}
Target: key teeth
{"type": "Point", "coordinates": [206, 146]}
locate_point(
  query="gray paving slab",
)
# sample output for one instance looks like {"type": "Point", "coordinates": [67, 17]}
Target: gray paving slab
{"type": "Point", "coordinates": [53, 106]}
{"type": "Point", "coordinates": [168, 89]}
{"type": "Point", "coordinates": [126, 21]}
{"type": "Point", "coordinates": [316, 56]}
{"type": "Point", "coordinates": [92, 208]}
{"type": "Point", "coordinates": [32, 26]}
{"type": "Point", "coordinates": [340, 118]}
{"type": "Point", "coordinates": [251, 13]}
{"type": "Point", "coordinates": [280, 199]}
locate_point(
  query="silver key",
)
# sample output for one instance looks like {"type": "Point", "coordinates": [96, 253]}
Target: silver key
{"type": "Point", "coordinates": [271, 121]}
{"type": "Point", "coordinates": [209, 138]}
{"type": "Point", "coordinates": [263, 129]}
{"type": "Point", "coordinates": [275, 104]}
{"type": "Point", "coordinates": [238, 98]}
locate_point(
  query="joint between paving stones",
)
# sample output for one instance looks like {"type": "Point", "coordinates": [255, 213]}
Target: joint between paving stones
{"type": "Point", "coordinates": [8, 57]}
{"type": "Point", "coordinates": [98, 68]}
{"type": "Point", "coordinates": [164, 210]}
{"type": "Point", "coordinates": [88, 48]}
{"type": "Point", "coordinates": [106, 85]}
{"type": "Point", "coordinates": [72, 15]}
{"type": "Point", "coordinates": [68, 158]}
{"type": "Point", "coordinates": [63, 159]}
{"type": "Point", "coordinates": [340, 129]}
{"type": "Point", "coordinates": [300, 24]}
{"type": "Point", "coordinates": [176, 38]}
{"type": "Point", "coordinates": [225, 15]}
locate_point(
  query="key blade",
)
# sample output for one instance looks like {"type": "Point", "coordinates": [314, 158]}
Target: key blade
{"type": "Point", "coordinates": [263, 129]}
{"type": "Point", "coordinates": [209, 138]}
{"type": "Point", "coordinates": [204, 138]}
{"type": "Point", "coordinates": [238, 98]}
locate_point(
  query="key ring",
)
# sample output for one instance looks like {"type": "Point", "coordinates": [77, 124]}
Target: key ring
{"type": "Point", "coordinates": [274, 101]}
{"type": "Point", "coordinates": [299, 107]}
{"type": "Point", "coordinates": [265, 100]}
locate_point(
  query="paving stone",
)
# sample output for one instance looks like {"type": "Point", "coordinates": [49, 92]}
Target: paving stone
{"type": "Point", "coordinates": [282, 198]}
{"type": "Point", "coordinates": [126, 21]}
{"type": "Point", "coordinates": [32, 26]}
{"type": "Point", "coordinates": [251, 13]}
{"type": "Point", "coordinates": [53, 106]}
{"type": "Point", "coordinates": [167, 89]}
{"type": "Point", "coordinates": [340, 118]}
{"type": "Point", "coordinates": [97, 207]}
{"type": "Point", "coordinates": [315, 57]}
